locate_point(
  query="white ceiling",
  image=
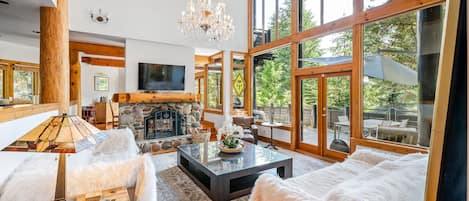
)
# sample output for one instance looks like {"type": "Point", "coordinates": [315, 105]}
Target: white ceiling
{"type": "Point", "coordinates": [96, 39]}
{"type": "Point", "coordinates": [20, 18]}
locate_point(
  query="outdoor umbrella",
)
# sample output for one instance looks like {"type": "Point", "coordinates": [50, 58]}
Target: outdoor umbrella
{"type": "Point", "coordinates": [377, 66]}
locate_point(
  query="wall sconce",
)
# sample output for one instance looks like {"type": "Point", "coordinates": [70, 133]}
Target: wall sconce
{"type": "Point", "coordinates": [99, 17]}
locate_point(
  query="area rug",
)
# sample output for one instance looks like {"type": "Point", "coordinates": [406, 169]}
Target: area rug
{"type": "Point", "coordinates": [174, 185]}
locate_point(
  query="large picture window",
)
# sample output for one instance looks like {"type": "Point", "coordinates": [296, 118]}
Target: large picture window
{"type": "Point", "coordinates": [271, 20]}
{"type": "Point", "coordinates": [272, 86]}
{"type": "Point", "coordinates": [318, 12]}
{"type": "Point", "coordinates": [23, 86]}
{"type": "Point", "coordinates": [19, 81]}
{"type": "Point", "coordinates": [327, 50]}
{"type": "Point", "coordinates": [399, 76]}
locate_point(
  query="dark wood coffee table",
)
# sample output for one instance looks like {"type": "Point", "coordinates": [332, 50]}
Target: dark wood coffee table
{"type": "Point", "coordinates": [228, 176]}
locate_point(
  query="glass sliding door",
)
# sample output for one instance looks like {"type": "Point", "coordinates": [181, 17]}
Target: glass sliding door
{"type": "Point", "coordinates": [309, 114]}
{"type": "Point", "coordinates": [324, 113]}
{"type": "Point", "coordinates": [337, 118]}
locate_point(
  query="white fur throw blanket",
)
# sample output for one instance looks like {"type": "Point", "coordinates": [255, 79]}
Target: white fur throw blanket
{"type": "Point", "coordinates": [112, 163]}
{"type": "Point", "coordinates": [38, 176]}
{"type": "Point", "coordinates": [365, 176]}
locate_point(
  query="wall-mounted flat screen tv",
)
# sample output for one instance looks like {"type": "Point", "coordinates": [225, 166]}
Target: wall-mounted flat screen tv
{"type": "Point", "coordinates": [160, 77]}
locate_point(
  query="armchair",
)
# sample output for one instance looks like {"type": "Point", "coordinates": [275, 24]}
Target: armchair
{"type": "Point", "coordinates": [249, 127]}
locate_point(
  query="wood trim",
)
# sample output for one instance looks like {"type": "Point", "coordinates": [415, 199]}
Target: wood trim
{"type": "Point", "coordinates": [154, 97]}
{"type": "Point", "coordinates": [201, 60]}
{"type": "Point", "coordinates": [269, 46]}
{"type": "Point", "coordinates": [445, 72]}
{"type": "Point", "coordinates": [387, 146]}
{"type": "Point", "coordinates": [323, 69]}
{"type": "Point", "coordinates": [75, 80]}
{"type": "Point", "coordinates": [325, 29]}
{"type": "Point", "coordinates": [356, 82]}
{"type": "Point", "coordinates": [19, 63]}
{"type": "Point", "coordinates": [295, 101]}
{"type": "Point", "coordinates": [25, 68]}
{"type": "Point", "coordinates": [103, 62]}
{"type": "Point", "coordinates": [393, 8]}
{"type": "Point", "coordinates": [95, 49]}
{"type": "Point", "coordinates": [214, 111]}
{"type": "Point", "coordinates": [10, 113]}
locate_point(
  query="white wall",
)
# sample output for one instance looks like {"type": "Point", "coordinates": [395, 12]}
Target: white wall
{"type": "Point", "coordinates": [18, 52]}
{"type": "Point", "coordinates": [159, 53]}
{"type": "Point", "coordinates": [153, 20]}
{"type": "Point", "coordinates": [88, 72]}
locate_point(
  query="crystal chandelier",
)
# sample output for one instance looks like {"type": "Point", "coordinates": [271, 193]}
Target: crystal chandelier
{"type": "Point", "coordinates": [201, 20]}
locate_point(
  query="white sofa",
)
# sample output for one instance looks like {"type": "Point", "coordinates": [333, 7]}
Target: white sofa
{"type": "Point", "coordinates": [113, 163]}
{"type": "Point", "coordinates": [365, 176]}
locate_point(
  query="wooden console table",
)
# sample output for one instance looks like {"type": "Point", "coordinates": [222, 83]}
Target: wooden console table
{"type": "Point", "coordinates": [155, 98]}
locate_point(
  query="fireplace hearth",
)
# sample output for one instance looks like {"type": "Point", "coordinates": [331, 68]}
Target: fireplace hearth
{"type": "Point", "coordinates": [163, 124]}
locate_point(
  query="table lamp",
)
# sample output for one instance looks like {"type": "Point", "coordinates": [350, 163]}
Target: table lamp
{"type": "Point", "coordinates": [59, 134]}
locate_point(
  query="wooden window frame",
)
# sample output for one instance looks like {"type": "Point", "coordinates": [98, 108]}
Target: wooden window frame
{"type": "Point", "coordinates": [212, 59]}
{"type": "Point", "coordinates": [9, 67]}
{"type": "Point", "coordinates": [247, 75]}
{"type": "Point", "coordinates": [356, 22]}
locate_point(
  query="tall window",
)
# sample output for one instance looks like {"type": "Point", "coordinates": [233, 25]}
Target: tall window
{"type": "Point", "coordinates": [238, 76]}
{"type": "Point", "coordinates": [399, 76]}
{"type": "Point", "coordinates": [327, 50]}
{"type": "Point", "coordinates": [23, 88]}
{"type": "Point", "coordinates": [272, 86]}
{"type": "Point", "coordinates": [318, 12]}
{"type": "Point", "coordinates": [215, 83]}
{"type": "Point", "coordinates": [271, 20]}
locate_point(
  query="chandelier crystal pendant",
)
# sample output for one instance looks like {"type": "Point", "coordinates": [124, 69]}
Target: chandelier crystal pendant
{"type": "Point", "coordinates": [202, 20]}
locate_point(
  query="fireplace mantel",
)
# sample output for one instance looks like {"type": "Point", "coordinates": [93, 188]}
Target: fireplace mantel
{"type": "Point", "coordinates": [155, 98]}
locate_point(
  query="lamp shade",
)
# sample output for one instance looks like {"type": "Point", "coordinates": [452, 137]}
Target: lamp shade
{"type": "Point", "coordinates": [59, 134]}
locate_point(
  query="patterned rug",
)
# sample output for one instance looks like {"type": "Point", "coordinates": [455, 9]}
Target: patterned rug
{"type": "Point", "coordinates": [174, 185]}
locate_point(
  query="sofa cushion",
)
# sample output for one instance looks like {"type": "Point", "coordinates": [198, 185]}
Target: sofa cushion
{"type": "Point", "coordinates": [275, 189]}
{"type": "Point", "coordinates": [398, 180]}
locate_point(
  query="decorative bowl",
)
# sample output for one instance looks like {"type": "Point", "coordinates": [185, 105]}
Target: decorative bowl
{"type": "Point", "coordinates": [227, 150]}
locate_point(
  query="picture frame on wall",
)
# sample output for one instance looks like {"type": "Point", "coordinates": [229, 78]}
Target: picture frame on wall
{"type": "Point", "coordinates": [101, 83]}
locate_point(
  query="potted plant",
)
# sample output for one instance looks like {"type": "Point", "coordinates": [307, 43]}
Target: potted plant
{"type": "Point", "coordinates": [230, 136]}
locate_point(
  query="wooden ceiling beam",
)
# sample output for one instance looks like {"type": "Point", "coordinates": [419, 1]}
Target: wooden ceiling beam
{"type": "Point", "coordinates": [95, 49]}
{"type": "Point", "coordinates": [103, 62]}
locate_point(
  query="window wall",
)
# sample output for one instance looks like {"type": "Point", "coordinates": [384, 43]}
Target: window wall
{"type": "Point", "coordinates": [361, 39]}
{"type": "Point", "coordinates": [399, 76]}
{"type": "Point", "coordinates": [272, 88]}
{"type": "Point", "coordinates": [272, 20]}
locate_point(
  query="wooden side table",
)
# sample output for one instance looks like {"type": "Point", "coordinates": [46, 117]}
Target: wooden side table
{"type": "Point", "coordinates": [114, 194]}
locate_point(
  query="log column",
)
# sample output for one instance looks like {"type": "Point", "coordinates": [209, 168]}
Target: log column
{"type": "Point", "coordinates": [54, 58]}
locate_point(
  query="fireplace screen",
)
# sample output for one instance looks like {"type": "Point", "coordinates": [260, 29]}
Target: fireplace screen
{"type": "Point", "coordinates": [162, 124]}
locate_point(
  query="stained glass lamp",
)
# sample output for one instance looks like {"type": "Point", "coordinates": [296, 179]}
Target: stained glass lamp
{"type": "Point", "coordinates": [59, 134]}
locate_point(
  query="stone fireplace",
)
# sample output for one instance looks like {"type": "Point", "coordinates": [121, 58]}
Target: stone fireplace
{"type": "Point", "coordinates": [164, 123]}
{"type": "Point", "coordinates": [159, 121]}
